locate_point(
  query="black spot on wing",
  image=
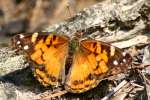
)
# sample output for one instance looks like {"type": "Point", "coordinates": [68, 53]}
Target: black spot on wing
{"type": "Point", "coordinates": [90, 77]}
{"type": "Point", "coordinates": [42, 55]}
{"type": "Point", "coordinates": [77, 82]}
{"type": "Point", "coordinates": [94, 44]}
{"type": "Point", "coordinates": [48, 45]}
{"type": "Point", "coordinates": [54, 37]}
{"type": "Point", "coordinates": [44, 38]}
{"type": "Point", "coordinates": [41, 67]}
{"type": "Point", "coordinates": [52, 78]}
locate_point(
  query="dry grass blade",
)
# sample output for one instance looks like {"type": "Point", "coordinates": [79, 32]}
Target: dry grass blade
{"type": "Point", "coordinates": [54, 94]}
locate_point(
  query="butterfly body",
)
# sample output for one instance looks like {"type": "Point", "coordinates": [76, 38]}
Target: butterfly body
{"type": "Point", "coordinates": [91, 60]}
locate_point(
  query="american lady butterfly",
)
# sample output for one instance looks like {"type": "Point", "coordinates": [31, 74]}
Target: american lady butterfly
{"type": "Point", "coordinates": [91, 62]}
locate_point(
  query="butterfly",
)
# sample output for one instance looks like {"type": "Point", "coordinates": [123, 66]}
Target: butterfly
{"type": "Point", "coordinates": [92, 60]}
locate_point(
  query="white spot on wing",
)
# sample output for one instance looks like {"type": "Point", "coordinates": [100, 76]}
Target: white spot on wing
{"type": "Point", "coordinates": [19, 46]}
{"type": "Point", "coordinates": [124, 53]}
{"type": "Point", "coordinates": [21, 36]}
{"type": "Point", "coordinates": [18, 42]}
{"type": "Point", "coordinates": [34, 37]}
{"type": "Point", "coordinates": [115, 62]}
{"type": "Point", "coordinates": [26, 47]}
{"type": "Point", "coordinates": [112, 50]}
{"type": "Point", "coordinates": [124, 60]}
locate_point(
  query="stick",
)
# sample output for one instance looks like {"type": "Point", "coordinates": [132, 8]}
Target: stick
{"type": "Point", "coordinates": [115, 90]}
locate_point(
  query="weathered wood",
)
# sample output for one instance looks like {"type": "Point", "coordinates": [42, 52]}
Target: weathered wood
{"type": "Point", "coordinates": [121, 19]}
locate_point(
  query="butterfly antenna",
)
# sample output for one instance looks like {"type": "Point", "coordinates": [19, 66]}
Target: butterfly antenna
{"type": "Point", "coordinates": [70, 4]}
{"type": "Point", "coordinates": [68, 9]}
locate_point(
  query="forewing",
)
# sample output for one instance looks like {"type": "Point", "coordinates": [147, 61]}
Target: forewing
{"type": "Point", "coordinates": [47, 53]}
{"type": "Point", "coordinates": [110, 60]}
{"type": "Point", "coordinates": [93, 61]}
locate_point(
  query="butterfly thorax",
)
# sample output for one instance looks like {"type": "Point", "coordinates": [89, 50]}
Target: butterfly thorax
{"type": "Point", "coordinates": [74, 44]}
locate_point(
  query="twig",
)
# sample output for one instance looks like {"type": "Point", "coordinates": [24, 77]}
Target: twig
{"type": "Point", "coordinates": [99, 15]}
{"type": "Point", "coordinates": [52, 95]}
{"type": "Point", "coordinates": [139, 39]}
{"type": "Point", "coordinates": [115, 90]}
{"type": "Point", "coordinates": [123, 34]}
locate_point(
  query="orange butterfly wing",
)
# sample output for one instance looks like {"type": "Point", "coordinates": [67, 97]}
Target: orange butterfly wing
{"type": "Point", "coordinates": [110, 60]}
{"type": "Point", "coordinates": [93, 61]}
{"type": "Point", "coordinates": [80, 77]}
{"type": "Point", "coordinates": [47, 54]}
{"type": "Point", "coordinates": [52, 56]}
